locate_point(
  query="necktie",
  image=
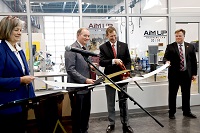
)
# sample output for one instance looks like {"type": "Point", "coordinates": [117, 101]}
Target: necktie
{"type": "Point", "coordinates": [83, 48]}
{"type": "Point", "coordinates": [114, 51]}
{"type": "Point", "coordinates": [181, 58]}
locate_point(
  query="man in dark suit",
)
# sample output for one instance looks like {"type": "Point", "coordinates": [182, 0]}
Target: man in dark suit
{"type": "Point", "coordinates": [112, 54]}
{"type": "Point", "coordinates": [78, 71]}
{"type": "Point", "coordinates": [183, 69]}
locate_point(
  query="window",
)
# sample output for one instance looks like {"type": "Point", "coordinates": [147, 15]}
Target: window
{"type": "Point", "coordinates": [59, 32]}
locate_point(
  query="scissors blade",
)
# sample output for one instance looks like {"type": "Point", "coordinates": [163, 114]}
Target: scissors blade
{"type": "Point", "coordinates": [104, 79]}
{"type": "Point", "coordinates": [113, 75]}
{"type": "Point", "coordinates": [99, 80]}
{"type": "Point", "coordinates": [117, 73]}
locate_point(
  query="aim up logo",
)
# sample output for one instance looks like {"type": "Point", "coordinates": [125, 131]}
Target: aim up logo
{"type": "Point", "coordinates": [155, 35]}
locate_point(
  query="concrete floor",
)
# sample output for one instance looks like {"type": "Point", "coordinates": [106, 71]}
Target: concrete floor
{"type": "Point", "coordinates": [140, 122]}
{"type": "Point", "coordinates": [143, 123]}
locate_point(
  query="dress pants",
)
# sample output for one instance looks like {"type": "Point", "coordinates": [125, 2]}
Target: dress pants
{"type": "Point", "coordinates": [13, 123]}
{"type": "Point", "coordinates": [81, 106]}
{"type": "Point", "coordinates": [123, 106]}
{"type": "Point", "coordinates": [181, 79]}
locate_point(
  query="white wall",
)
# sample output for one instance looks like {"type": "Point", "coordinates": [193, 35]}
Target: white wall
{"type": "Point", "coordinates": [154, 95]}
{"type": "Point", "coordinates": [185, 6]}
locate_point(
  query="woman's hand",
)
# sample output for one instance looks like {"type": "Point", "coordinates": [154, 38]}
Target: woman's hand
{"type": "Point", "coordinates": [27, 79]}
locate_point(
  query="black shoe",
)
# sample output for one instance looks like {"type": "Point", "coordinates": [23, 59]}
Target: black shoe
{"type": "Point", "coordinates": [127, 129]}
{"type": "Point", "coordinates": [171, 116]}
{"type": "Point", "coordinates": [110, 128]}
{"type": "Point", "coordinates": [189, 115]}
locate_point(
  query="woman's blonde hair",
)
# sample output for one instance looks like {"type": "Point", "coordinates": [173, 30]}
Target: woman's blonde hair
{"type": "Point", "coordinates": [7, 24]}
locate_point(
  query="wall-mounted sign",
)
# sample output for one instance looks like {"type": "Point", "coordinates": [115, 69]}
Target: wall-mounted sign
{"type": "Point", "coordinates": [155, 35]}
{"type": "Point", "coordinates": [99, 25]}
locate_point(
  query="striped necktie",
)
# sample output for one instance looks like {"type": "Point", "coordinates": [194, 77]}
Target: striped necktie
{"type": "Point", "coordinates": [181, 58]}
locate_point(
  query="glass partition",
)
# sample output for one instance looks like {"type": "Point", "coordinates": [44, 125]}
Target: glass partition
{"type": "Point", "coordinates": [97, 27]}
{"type": "Point", "coordinates": [49, 40]}
{"type": "Point", "coordinates": [93, 6]}
{"type": "Point", "coordinates": [147, 6]}
{"type": "Point", "coordinates": [13, 6]}
{"type": "Point", "coordinates": [52, 6]}
{"type": "Point", "coordinates": [50, 35]}
{"type": "Point", "coordinates": [148, 38]}
{"type": "Point", "coordinates": [103, 6]}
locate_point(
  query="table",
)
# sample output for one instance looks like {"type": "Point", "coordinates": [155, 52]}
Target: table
{"type": "Point", "coordinates": [50, 74]}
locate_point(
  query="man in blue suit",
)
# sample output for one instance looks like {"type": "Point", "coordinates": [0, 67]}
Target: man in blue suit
{"type": "Point", "coordinates": [15, 81]}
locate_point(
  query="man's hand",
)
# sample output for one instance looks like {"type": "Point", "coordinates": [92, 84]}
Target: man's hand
{"type": "Point", "coordinates": [118, 61]}
{"type": "Point", "coordinates": [89, 81]}
{"type": "Point", "coordinates": [194, 77]}
{"type": "Point", "coordinates": [92, 68]}
{"type": "Point", "coordinates": [167, 62]}
{"type": "Point", "coordinates": [124, 77]}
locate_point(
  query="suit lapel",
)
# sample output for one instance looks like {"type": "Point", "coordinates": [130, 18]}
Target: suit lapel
{"type": "Point", "coordinates": [176, 48]}
{"type": "Point", "coordinates": [186, 49]}
{"type": "Point", "coordinates": [78, 45]}
{"type": "Point", "coordinates": [24, 61]}
{"type": "Point", "coordinates": [13, 56]}
{"type": "Point", "coordinates": [118, 48]}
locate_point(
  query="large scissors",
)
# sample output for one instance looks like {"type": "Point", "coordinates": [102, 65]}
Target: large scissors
{"type": "Point", "coordinates": [103, 79]}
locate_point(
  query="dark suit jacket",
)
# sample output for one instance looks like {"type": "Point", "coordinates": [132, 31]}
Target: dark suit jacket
{"type": "Point", "coordinates": [172, 55]}
{"type": "Point", "coordinates": [106, 56]}
{"type": "Point", "coordinates": [77, 68]}
{"type": "Point", "coordinates": [10, 73]}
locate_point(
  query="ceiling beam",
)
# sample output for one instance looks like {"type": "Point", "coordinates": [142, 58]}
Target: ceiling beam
{"type": "Point", "coordinates": [64, 4]}
{"type": "Point", "coordinates": [74, 7]}
{"type": "Point", "coordinates": [41, 7]}
{"type": "Point", "coordinates": [86, 7]}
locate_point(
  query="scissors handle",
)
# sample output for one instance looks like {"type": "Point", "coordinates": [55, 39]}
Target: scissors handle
{"type": "Point", "coordinates": [101, 79]}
